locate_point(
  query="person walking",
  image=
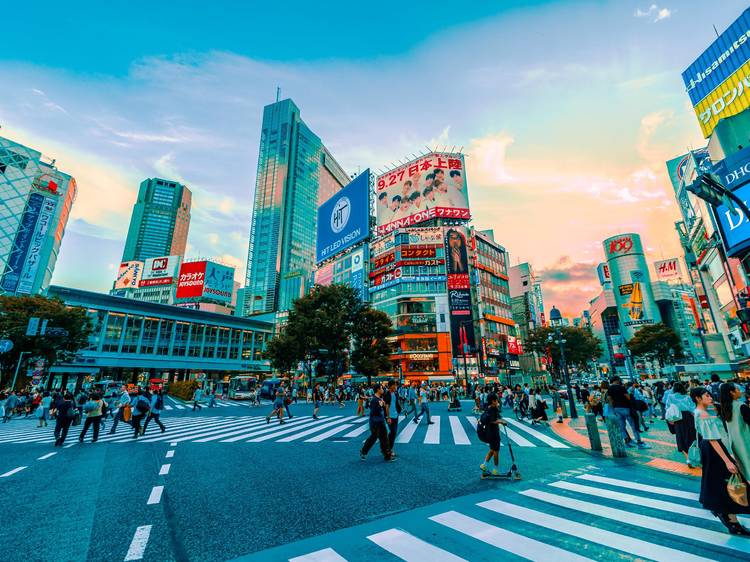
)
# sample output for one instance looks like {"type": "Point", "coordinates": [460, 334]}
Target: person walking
{"type": "Point", "coordinates": [316, 398]}
{"type": "Point", "coordinates": [621, 410]}
{"type": "Point", "coordinates": [157, 406]}
{"type": "Point", "coordinates": [411, 396]}
{"type": "Point", "coordinates": [736, 415]}
{"type": "Point", "coordinates": [64, 416]}
{"type": "Point", "coordinates": [492, 420]}
{"type": "Point", "coordinates": [278, 407]}
{"type": "Point", "coordinates": [197, 396]}
{"type": "Point", "coordinates": [141, 405]}
{"type": "Point", "coordinates": [424, 405]}
{"type": "Point", "coordinates": [360, 402]}
{"type": "Point", "coordinates": [212, 399]}
{"type": "Point", "coordinates": [11, 403]}
{"type": "Point", "coordinates": [93, 410]}
{"type": "Point", "coordinates": [680, 419]}
{"type": "Point", "coordinates": [45, 405]}
{"type": "Point", "coordinates": [556, 403]}
{"type": "Point", "coordinates": [124, 412]}
{"type": "Point", "coordinates": [378, 431]}
{"type": "Point", "coordinates": [717, 464]}
{"type": "Point", "coordinates": [287, 401]}
{"type": "Point", "coordinates": [392, 411]}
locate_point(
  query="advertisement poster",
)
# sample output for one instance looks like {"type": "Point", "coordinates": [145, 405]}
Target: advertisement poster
{"type": "Point", "coordinates": [358, 272]}
{"type": "Point", "coordinates": [219, 283]}
{"type": "Point", "coordinates": [129, 275]}
{"type": "Point", "coordinates": [33, 257]}
{"type": "Point", "coordinates": [191, 280]}
{"type": "Point", "coordinates": [22, 242]}
{"type": "Point", "coordinates": [668, 269]}
{"type": "Point", "coordinates": [459, 292]}
{"type": "Point", "coordinates": [344, 220]}
{"type": "Point", "coordinates": [432, 186]}
{"type": "Point", "coordinates": [159, 271]}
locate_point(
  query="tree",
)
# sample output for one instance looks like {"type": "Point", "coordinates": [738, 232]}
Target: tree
{"type": "Point", "coordinates": [581, 346]}
{"type": "Point", "coordinates": [656, 342]}
{"type": "Point", "coordinates": [14, 318]}
{"type": "Point", "coordinates": [371, 353]}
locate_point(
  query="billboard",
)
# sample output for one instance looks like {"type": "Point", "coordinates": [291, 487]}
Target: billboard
{"type": "Point", "coordinates": [191, 280]}
{"type": "Point", "coordinates": [717, 82]}
{"type": "Point", "coordinates": [34, 255]}
{"type": "Point", "coordinates": [602, 270]}
{"type": "Point", "coordinates": [129, 275]}
{"type": "Point", "coordinates": [159, 271]}
{"type": "Point", "coordinates": [358, 272]}
{"type": "Point", "coordinates": [668, 269]}
{"type": "Point", "coordinates": [219, 282]}
{"type": "Point", "coordinates": [432, 186]}
{"type": "Point", "coordinates": [344, 219]}
{"type": "Point", "coordinates": [22, 242]}
{"type": "Point", "coordinates": [734, 228]}
{"type": "Point", "coordinates": [459, 291]}
{"type": "Point", "coordinates": [734, 170]}
{"type": "Point", "coordinates": [324, 274]}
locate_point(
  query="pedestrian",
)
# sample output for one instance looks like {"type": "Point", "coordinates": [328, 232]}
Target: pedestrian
{"type": "Point", "coordinates": [124, 412]}
{"type": "Point", "coordinates": [197, 395]}
{"type": "Point", "coordinates": [556, 403]}
{"type": "Point", "coordinates": [65, 414]}
{"type": "Point", "coordinates": [287, 402]}
{"type": "Point", "coordinates": [212, 399]}
{"type": "Point", "coordinates": [157, 406]}
{"type": "Point", "coordinates": [360, 402]}
{"type": "Point", "coordinates": [392, 411]}
{"type": "Point", "coordinates": [316, 398]}
{"type": "Point", "coordinates": [492, 420]}
{"type": "Point", "coordinates": [680, 419]}
{"type": "Point", "coordinates": [717, 464]}
{"type": "Point", "coordinates": [278, 407]}
{"type": "Point", "coordinates": [140, 405]}
{"type": "Point", "coordinates": [736, 415]}
{"type": "Point", "coordinates": [378, 431]}
{"type": "Point", "coordinates": [45, 404]}
{"type": "Point", "coordinates": [622, 411]}
{"type": "Point", "coordinates": [93, 410]}
{"type": "Point", "coordinates": [424, 405]}
{"type": "Point", "coordinates": [412, 401]}
{"type": "Point", "coordinates": [595, 402]}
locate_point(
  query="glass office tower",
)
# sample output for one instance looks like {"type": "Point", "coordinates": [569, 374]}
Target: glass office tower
{"type": "Point", "coordinates": [160, 221]}
{"type": "Point", "coordinates": [296, 173]}
{"type": "Point", "coordinates": [35, 203]}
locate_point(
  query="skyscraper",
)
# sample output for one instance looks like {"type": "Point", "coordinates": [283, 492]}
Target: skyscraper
{"type": "Point", "coordinates": [296, 173]}
{"type": "Point", "coordinates": [35, 202]}
{"type": "Point", "coordinates": [160, 221]}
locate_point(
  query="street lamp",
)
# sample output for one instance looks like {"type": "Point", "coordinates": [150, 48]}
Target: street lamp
{"type": "Point", "coordinates": [555, 320]}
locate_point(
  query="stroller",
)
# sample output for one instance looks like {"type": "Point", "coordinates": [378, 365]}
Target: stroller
{"type": "Point", "coordinates": [455, 405]}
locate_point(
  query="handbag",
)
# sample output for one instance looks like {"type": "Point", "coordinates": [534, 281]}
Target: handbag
{"type": "Point", "coordinates": [673, 413]}
{"type": "Point", "coordinates": [126, 412]}
{"type": "Point", "coordinates": [694, 454]}
{"type": "Point", "coordinates": [737, 490]}
{"type": "Point", "coordinates": [39, 412]}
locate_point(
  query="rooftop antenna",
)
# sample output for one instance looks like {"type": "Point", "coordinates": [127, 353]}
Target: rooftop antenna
{"type": "Point", "coordinates": [278, 93]}
{"type": "Point", "coordinates": [461, 149]}
{"type": "Point", "coordinates": [452, 149]}
{"type": "Point", "coordinates": [716, 31]}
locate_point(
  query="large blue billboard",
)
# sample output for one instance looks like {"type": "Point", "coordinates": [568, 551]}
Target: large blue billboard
{"type": "Point", "coordinates": [22, 242]}
{"type": "Point", "coordinates": [344, 220]}
{"type": "Point", "coordinates": [734, 170]}
{"type": "Point", "coordinates": [722, 58]}
{"type": "Point", "coordinates": [735, 229]}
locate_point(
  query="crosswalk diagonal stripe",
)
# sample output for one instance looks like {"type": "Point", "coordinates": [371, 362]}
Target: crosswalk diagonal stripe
{"type": "Point", "coordinates": [407, 432]}
{"type": "Point", "coordinates": [661, 505]}
{"type": "Point", "coordinates": [296, 423]}
{"type": "Point", "coordinates": [596, 535]}
{"type": "Point", "coordinates": [203, 432]}
{"type": "Point", "coordinates": [223, 434]}
{"type": "Point", "coordinates": [175, 436]}
{"type": "Point", "coordinates": [473, 423]}
{"type": "Point", "coordinates": [125, 430]}
{"type": "Point", "coordinates": [312, 430]}
{"type": "Point", "coordinates": [432, 437]}
{"type": "Point", "coordinates": [329, 433]}
{"type": "Point", "coordinates": [519, 440]}
{"type": "Point", "coordinates": [167, 407]}
{"type": "Point", "coordinates": [640, 487]}
{"type": "Point", "coordinates": [325, 555]}
{"type": "Point", "coordinates": [509, 541]}
{"type": "Point", "coordinates": [652, 523]}
{"type": "Point", "coordinates": [171, 432]}
{"type": "Point", "coordinates": [459, 435]}
{"type": "Point", "coordinates": [410, 548]}
{"type": "Point", "coordinates": [359, 431]}
{"type": "Point", "coordinates": [554, 443]}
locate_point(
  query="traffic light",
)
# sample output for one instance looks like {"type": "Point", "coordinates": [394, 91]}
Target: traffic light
{"type": "Point", "coordinates": [743, 315]}
{"type": "Point", "coordinates": [709, 189]}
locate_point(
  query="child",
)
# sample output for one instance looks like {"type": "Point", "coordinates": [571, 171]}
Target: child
{"type": "Point", "coordinates": [492, 419]}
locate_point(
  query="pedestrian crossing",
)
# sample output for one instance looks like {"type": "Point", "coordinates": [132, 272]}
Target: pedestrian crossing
{"type": "Point", "coordinates": [576, 517]}
{"type": "Point", "coordinates": [175, 404]}
{"type": "Point", "coordinates": [455, 430]}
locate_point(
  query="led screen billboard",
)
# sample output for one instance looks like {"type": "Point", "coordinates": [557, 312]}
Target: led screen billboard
{"type": "Point", "coordinates": [432, 186]}
{"type": "Point", "coordinates": [344, 220]}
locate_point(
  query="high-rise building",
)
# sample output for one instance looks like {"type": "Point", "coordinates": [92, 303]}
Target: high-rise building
{"type": "Point", "coordinates": [160, 221]}
{"type": "Point", "coordinates": [296, 173]}
{"type": "Point", "coordinates": [35, 203]}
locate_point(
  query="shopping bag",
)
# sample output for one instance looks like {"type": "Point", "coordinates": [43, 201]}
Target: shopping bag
{"type": "Point", "coordinates": [126, 413]}
{"type": "Point", "coordinates": [694, 454]}
{"type": "Point", "coordinates": [737, 489]}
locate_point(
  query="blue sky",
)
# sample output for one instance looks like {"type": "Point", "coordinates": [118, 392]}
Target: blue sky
{"type": "Point", "coordinates": [567, 112]}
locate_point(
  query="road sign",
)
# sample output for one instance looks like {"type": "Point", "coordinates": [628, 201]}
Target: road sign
{"type": "Point", "coordinates": [32, 328]}
{"type": "Point", "coordinates": [5, 346]}
{"type": "Point", "coordinates": [57, 332]}
{"type": "Point", "coordinates": [43, 328]}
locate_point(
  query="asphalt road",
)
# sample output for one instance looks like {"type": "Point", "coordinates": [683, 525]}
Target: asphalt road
{"type": "Point", "coordinates": [220, 501]}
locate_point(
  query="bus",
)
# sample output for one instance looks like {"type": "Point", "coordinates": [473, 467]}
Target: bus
{"type": "Point", "coordinates": [242, 387]}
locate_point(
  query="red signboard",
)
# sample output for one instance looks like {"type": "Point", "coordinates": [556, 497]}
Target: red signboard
{"type": "Point", "coordinates": [191, 280]}
{"type": "Point", "coordinates": [416, 252]}
{"type": "Point", "coordinates": [621, 245]}
{"type": "Point", "coordinates": [382, 261]}
{"type": "Point", "coordinates": [514, 347]}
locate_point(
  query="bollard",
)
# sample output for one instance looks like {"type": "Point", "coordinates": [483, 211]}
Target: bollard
{"type": "Point", "coordinates": [593, 429]}
{"type": "Point", "coordinates": [615, 438]}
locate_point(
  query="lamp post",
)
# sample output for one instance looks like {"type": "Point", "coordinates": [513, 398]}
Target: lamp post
{"type": "Point", "coordinates": [555, 320]}
{"type": "Point", "coordinates": [18, 367]}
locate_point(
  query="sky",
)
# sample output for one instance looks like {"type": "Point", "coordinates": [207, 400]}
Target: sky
{"type": "Point", "coordinates": [566, 111]}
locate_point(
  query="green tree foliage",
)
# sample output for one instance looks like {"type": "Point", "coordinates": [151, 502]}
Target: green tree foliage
{"type": "Point", "coordinates": [321, 326]}
{"type": "Point", "coordinates": [14, 318]}
{"type": "Point", "coordinates": [371, 353]}
{"type": "Point", "coordinates": [656, 342]}
{"type": "Point", "coordinates": [581, 346]}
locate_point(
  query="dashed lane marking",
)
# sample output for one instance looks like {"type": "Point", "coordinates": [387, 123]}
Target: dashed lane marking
{"type": "Point", "coordinates": [155, 496]}
{"type": "Point", "coordinates": [12, 472]}
{"type": "Point", "coordinates": [138, 544]}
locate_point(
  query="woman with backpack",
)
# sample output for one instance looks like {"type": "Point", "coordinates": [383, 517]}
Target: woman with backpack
{"type": "Point", "coordinates": [93, 410]}
{"type": "Point", "coordinates": [157, 405]}
{"type": "Point", "coordinates": [141, 406]}
{"type": "Point", "coordinates": [66, 413]}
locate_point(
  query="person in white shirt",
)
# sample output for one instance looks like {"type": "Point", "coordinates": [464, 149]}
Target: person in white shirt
{"type": "Point", "coordinates": [424, 397]}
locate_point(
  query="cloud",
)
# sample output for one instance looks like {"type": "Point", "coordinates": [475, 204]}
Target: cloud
{"type": "Point", "coordinates": [655, 12]}
{"type": "Point", "coordinates": [569, 285]}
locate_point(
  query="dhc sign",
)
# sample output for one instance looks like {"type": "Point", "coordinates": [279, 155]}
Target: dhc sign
{"type": "Point", "coordinates": [735, 228]}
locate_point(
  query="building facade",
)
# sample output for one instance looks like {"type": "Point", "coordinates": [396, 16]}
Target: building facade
{"type": "Point", "coordinates": [160, 221]}
{"type": "Point", "coordinates": [35, 202]}
{"type": "Point", "coordinates": [296, 173]}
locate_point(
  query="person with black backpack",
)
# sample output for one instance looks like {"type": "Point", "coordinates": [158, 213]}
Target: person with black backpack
{"type": "Point", "coordinates": [392, 411]}
{"type": "Point", "coordinates": [141, 406]}
{"type": "Point", "coordinates": [488, 431]}
{"type": "Point", "coordinates": [66, 413]}
{"type": "Point", "coordinates": [157, 405]}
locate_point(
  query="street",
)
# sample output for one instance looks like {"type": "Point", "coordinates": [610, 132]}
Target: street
{"type": "Point", "coordinates": [222, 484]}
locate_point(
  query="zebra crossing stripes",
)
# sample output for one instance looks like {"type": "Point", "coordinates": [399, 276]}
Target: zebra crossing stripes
{"type": "Point", "coordinates": [324, 555]}
{"type": "Point", "coordinates": [459, 435]}
{"type": "Point", "coordinates": [640, 487]}
{"type": "Point", "coordinates": [409, 547]}
{"type": "Point", "coordinates": [554, 443]}
{"type": "Point", "coordinates": [432, 437]}
{"type": "Point", "coordinates": [198, 432]}
{"type": "Point", "coordinates": [292, 424]}
{"type": "Point", "coordinates": [359, 431]}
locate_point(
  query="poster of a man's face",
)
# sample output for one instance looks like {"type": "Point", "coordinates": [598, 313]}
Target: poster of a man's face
{"type": "Point", "coordinates": [457, 258]}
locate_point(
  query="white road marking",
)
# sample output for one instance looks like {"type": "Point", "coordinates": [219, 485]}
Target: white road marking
{"type": "Point", "coordinates": [554, 443]}
{"type": "Point", "coordinates": [48, 455]}
{"type": "Point", "coordinates": [302, 422]}
{"type": "Point", "coordinates": [310, 431]}
{"type": "Point", "coordinates": [279, 431]}
{"type": "Point", "coordinates": [514, 543]}
{"type": "Point", "coordinates": [640, 487]}
{"type": "Point", "coordinates": [519, 440]}
{"type": "Point", "coordinates": [164, 470]}
{"type": "Point", "coordinates": [155, 496]}
{"type": "Point", "coordinates": [459, 435]}
{"type": "Point", "coordinates": [359, 431]}
{"type": "Point", "coordinates": [410, 548]}
{"type": "Point", "coordinates": [325, 555]}
{"type": "Point", "coordinates": [407, 432]}
{"type": "Point", "coordinates": [12, 472]}
{"type": "Point", "coordinates": [170, 454]}
{"type": "Point", "coordinates": [138, 544]}
{"type": "Point", "coordinates": [166, 407]}
{"type": "Point", "coordinates": [329, 433]}
{"type": "Point", "coordinates": [173, 444]}
{"type": "Point", "coordinates": [432, 437]}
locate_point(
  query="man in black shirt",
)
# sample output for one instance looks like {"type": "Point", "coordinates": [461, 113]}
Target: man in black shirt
{"type": "Point", "coordinates": [378, 431]}
{"type": "Point", "coordinates": [392, 411]}
{"type": "Point", "coordinates": [619, 400]}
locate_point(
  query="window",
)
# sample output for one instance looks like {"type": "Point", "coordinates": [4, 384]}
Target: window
{"type": "Point", "coordinates": [196, 340]}
{"type": "Point", "coordinates": [181, 336]}
{"type": "Point", "coordinates": [115, 323]}
{"type": "Point", "coordinates": [165, 337]}
{"type": "Point", "coordinates": [209, 346]}
{"type": "Point", "coordinates": [150, 334]}
{"type": "Point", "coordinates": [132, 334]}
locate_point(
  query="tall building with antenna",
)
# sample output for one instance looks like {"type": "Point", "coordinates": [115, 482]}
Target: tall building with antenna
{"type": "Point", "coordinates": [296, 173]}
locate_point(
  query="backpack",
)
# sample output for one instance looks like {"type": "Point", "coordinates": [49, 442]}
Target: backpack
{"type": "Point", "coordinates": [72, 412]}
{"type": "Point", "coordinates": [142, 406]}
{"type": "Point", "coordinates": [713, 388]}
{"type": "Point", "coordinates": [482, 428]}
{"type": "Point", "coordinates": [159, 402]}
